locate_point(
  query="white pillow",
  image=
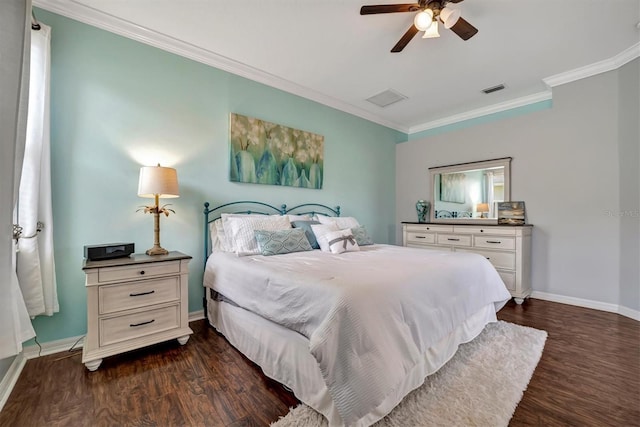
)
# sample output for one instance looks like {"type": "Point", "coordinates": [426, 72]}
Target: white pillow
{"type": "Point", "coordinates": [321, 232]}
{"type": "Point", "coordinates": [218, 239]}
{"type": "Point", "coordinates": [240, 230]}
{"type": "Point", "coordinates": [341, 222]}
{"type": "Point", "coordinates": [299, 218]}
{"type": "Point", "coordinates": [342, 241]}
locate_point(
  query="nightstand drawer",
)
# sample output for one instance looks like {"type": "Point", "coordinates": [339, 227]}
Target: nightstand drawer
{"type": "Point", "coordinates": [114, 298]}
{"type": "Point", "coordinates": [454, 239]}
{"type": "Point", "coordinates": [136, 325]}
{"type": "Point", "coordinates": [494, 242]}
{"type": "Point", "coordinates": [138, 271]}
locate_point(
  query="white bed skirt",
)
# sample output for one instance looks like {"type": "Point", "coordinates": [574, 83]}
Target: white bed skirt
{"type": "Point", "coordinates": [284, 356]}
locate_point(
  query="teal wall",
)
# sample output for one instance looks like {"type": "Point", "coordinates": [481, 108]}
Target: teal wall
{"type": "Point", "coordinates": [117, 104]}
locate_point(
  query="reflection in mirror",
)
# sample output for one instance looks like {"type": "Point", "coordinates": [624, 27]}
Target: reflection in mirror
{"type": "Point", "coordinates": [469, 192]}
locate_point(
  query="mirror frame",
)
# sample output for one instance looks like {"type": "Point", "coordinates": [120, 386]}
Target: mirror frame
{"type": "Point", "coordinates": [463, 167]}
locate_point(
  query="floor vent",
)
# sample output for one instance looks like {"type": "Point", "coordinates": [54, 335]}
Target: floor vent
{"type": "Point", "coordinates": [493, 89]}
{"type": "Point", "coordinates": [386, 98]}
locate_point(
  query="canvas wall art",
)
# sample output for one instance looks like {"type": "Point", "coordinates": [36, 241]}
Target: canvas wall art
{"type": "Point", "coordinates": [262, 152]}
{"type": "Point", "coordinates": [453, 187]}
{"type": "Point", "coordinates": [511, 213]}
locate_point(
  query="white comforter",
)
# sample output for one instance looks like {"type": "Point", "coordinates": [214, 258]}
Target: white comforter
{"type": "Point", "coordinates": [369, 315]}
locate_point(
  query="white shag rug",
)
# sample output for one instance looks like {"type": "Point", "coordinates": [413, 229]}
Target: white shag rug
{"type": "Point", "coordinates": [480, 386]}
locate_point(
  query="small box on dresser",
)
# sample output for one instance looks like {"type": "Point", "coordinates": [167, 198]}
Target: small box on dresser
{"type": "Point", "coordinates": [507, 247]}
{"type": "Point", "coordinates": [134, 302]}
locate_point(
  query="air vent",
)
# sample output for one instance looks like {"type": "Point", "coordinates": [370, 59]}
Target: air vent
{"type": "Point", "coordinates": [493, 89]}
{"type": "Point", "coordinates": [386, 98]}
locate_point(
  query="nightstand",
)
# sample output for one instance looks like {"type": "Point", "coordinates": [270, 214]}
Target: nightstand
{"type": "Point", "coordinates": [134, 302]}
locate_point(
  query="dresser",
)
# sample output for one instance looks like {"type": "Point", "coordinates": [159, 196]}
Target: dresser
{"type": "Point", "coordinates": [507, 247]}
{"type": "Point", "coordinates": [134, 302]}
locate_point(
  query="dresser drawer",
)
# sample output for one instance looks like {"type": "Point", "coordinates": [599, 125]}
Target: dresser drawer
{"type": "Point", "coordinates": [454, 239]}
{"type": "Point", "coordinates": [506, 260]}
{"type": "Point", "coordinates": [421, 238]}
{"type": "Point", "coordinates": [136, 325]}
{"type": "Point", "coordinates": [509, 279]}
{"type": "Point", "coordinates": [114, 298]}
{"type": "Point", "coordinates": [138, 271]}
{"type": "Point", "coordinates": [494, 242]}
{"type": "Point", "coordinates": [497, 231]}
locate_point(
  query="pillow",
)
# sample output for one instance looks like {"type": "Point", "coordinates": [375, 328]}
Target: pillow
{"type": "Point", "coordinates": [218, 239]}
{"type": "Point", "coordinates": [282, 241]}
{"type": "Point", "coordinates": [342, 241]}
{"type": "Point", "coordinates": [239, 230]}
{"type": "Point", "coordinates": [306, 226]}
{"type": "Point", "coordinates": [361, 236]}
{"type": "Point", "coordinates": [304, 217]}
{"type": "Point", "coordinates": [340, 221]}
{"type": "Point", "coordinates": [320, 231]}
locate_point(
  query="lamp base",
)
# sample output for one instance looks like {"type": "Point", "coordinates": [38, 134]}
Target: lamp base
{"type": "Point", "coordinates": [157, 250]}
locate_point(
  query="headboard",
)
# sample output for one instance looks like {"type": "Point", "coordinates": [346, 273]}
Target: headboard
{"type": "Point", "coordinates": [260, 208]}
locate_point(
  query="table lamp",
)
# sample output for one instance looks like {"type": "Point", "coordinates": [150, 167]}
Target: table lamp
{"type": "Point", "coordinates": [157, 182]}
{"type": "Point", "coordinates": [483, 208]}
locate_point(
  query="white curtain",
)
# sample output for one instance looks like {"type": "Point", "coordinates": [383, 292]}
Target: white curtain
{"type": "Point", "coordinates": [15, 327]}
{"type": "Point", "coordinates": [490, 194]}
{"type": "Point", "coordinates": [36, 266]}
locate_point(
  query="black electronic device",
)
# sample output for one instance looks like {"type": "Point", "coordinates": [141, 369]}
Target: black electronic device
{"type": "Point", "coordinates": [108, 251]}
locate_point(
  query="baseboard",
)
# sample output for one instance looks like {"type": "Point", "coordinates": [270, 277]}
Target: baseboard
{"type": "Point", "coordinates": [10, 378]}
{"type": "Point", "coordinates": [580, 302]}
{"type": "Point", "coordinates": [32, 351]}
{"type": "Point", "coordinates": [627, 312]}
{"type": "Point", "coordinates": [196, 315]}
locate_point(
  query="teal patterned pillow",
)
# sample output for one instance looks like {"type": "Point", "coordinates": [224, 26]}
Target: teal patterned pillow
{"type": "Point", "coordinates": [306, 226]}
{"type": "Point", "coordinates": [282, 241]}
{"type": "Point", "coordinates": [361, 236]}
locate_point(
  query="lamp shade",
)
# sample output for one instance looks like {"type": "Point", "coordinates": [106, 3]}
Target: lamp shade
{"type": "Point", "coordinates": [423, 19]}
{"type": "Point", "coordinates": [449, 16]}
{"type": "Point", "coordinates": [158, 180]}
{"type": "Point", "coordinates": [482, 207]}
{"type": "Point", "coordinates": [432, 31]}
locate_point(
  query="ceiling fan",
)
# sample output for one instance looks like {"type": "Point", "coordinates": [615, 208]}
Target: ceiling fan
{"type": "Point", "coordinates": [429, 12]}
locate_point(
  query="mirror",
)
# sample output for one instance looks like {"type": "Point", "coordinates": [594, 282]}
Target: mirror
{"type": "Point", "coordinates": [468, 193]}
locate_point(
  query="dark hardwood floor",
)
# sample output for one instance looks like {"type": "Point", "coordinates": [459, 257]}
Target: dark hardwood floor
{"type": "Point", "coordinates": [589, 375]}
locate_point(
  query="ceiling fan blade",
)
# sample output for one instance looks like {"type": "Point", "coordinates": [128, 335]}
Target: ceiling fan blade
{"type": "Point", "coordinates": [389, 8]}
{"type": "Point", "coordinates": [463, 29]}
{"type": "Point", "coordinates": [406, 38]}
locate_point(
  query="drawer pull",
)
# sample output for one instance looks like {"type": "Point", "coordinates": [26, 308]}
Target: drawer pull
{"type": "Point", "coordinates": [488, 258]}
{"type": "Point", "coordinates": [133, 325]}
{"type": "Point", "coordinates": [493, 241]}
{"type": "Point", "coordinates": [141, 272]}
{"type": "Point", "coordinates": [453, 240]}
{"type": "Point", "coordinates": [142, 293]}
{"type": "Point", "coordinates": [420, 237]}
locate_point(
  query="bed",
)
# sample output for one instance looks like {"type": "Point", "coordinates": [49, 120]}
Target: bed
{"type": "Point", "coordinates": [350, 330]}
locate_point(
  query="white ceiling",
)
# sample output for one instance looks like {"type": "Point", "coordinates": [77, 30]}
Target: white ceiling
{"type": "Point", "coordinates": [325, 50]}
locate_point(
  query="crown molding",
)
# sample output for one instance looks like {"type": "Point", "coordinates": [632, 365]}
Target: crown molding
{"type": "Point", "coordinates": [484, 111]}
{"type": "Point", "coordinates": [88, 15]}
{"type": "Point", "coordinates": [610, 64]}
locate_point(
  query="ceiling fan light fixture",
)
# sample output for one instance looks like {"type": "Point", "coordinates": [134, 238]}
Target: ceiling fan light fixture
{"type": "Point", "coordinates": [423, 19]}
{"type": "Point", "coordinates": [432, 31]}
{"type": "Point", "coordinates": [449, 16]}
